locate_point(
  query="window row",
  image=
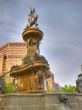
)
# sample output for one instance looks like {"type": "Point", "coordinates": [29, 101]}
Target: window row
{"type": "Point", "coordinates": [11, 56]}
{"type": "Point", "coordinates": [17, 44]}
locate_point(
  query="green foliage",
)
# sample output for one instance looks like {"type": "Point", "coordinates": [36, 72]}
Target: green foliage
{"type": "Point", "coordinates": [9, 88]}
{"type": "Point", "coordinates": [51, 90]}
{"type": "Point", "coordinates": [68, 89]}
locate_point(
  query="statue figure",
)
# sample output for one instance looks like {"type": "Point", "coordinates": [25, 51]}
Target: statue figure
{"type": "Point", "coordinates": [15, 83]}
{"type": "Point", "coordinates": [63, 98]}
{"type": "Point", "coordinates": [2, 84]}
{"type": "Point", "coordinates": [32, 18]}
{"type": "Point", "coordinates": [79, 84]}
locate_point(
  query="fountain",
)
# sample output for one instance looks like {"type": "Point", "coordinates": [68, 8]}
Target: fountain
{"type": "Point", "coordinates": [31, 76]}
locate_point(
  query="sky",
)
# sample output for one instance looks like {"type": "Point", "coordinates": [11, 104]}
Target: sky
{"type": "Point", "coordinates": [61, 23]}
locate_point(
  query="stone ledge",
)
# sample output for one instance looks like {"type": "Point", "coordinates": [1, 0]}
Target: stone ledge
{"type": "Point", "coordinates": [40, 101]}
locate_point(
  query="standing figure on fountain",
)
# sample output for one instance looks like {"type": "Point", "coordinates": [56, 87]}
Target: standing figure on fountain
{"type": "Point", "coordinates": [32, 18]}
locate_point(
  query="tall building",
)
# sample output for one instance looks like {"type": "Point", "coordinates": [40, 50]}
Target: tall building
{"type": "Point", "coordinates": [1, 63]}
{"type": "Point", "coordinates": [11, 54]}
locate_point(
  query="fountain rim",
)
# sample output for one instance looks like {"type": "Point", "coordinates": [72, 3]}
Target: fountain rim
{"type": "Point", "coordinates": [28, 66]}
{"type": "Point", "coordinates": [36, 31]}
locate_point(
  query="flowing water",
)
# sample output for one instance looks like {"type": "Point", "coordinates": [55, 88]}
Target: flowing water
{"type": "Point", "coordinates": [63, 107]}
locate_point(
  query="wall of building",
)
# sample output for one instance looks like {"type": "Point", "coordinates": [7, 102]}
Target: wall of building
{"type": "Point", "coordinates": [11, 54]}
{"type": "Point", "coordinates": [1, 63]}
{"type": "Point", "coordinates": [40, 102]}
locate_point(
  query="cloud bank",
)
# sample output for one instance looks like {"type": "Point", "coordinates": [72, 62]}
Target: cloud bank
{"type": "Point", "coordinates": [61, 22]}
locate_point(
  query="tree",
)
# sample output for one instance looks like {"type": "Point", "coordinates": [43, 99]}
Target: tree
{"type": "Point", "coordinates": [68, 89]}
{"type": "Point", "coordinates": [9, 88]}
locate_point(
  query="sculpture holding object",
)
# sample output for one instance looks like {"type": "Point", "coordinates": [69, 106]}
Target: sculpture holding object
{"type": "Point", "coordinates": [32, 19]}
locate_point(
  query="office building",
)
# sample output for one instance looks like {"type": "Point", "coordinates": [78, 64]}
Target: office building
{"type": "Point", "coordinates": [11, 54]}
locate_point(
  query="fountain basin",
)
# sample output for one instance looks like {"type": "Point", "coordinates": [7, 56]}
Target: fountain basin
{"type": "Point", "coordinates": [40, 101]}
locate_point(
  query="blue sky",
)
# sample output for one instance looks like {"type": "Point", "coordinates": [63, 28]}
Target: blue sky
{"type": "Point", "coordinates": [61, 22]}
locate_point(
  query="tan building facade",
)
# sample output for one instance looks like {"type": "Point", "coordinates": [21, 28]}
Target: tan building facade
{"type": "Point", "coordinates": [1, 63]}
{"type": "Point", "coordinates": [11, 54]}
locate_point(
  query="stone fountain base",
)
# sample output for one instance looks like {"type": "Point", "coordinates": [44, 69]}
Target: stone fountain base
{"type": "Point", "coordinates": [42, 101]}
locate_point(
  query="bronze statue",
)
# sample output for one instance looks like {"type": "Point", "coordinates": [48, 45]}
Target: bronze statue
{"type": "Point", "coordinates": [2, 84]}
{"type": "Point", "coordinates": [32, 18]}
{"type": "Point", "coordinates": [79, 83]}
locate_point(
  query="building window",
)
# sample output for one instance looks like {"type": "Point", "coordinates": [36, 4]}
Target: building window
{"type": "Point", "coordinates": [17, 44]}
{"type": "Point", "coordinates": [13, 56]}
